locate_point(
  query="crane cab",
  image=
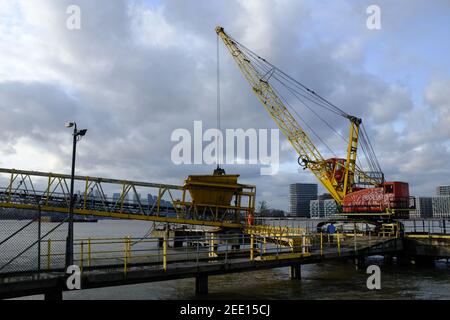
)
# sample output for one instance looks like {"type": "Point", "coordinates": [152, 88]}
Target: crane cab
{"type": "Point", "coordinates": [390, 197]}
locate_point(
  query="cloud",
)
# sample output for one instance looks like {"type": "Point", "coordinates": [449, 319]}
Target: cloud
{"type": "Point", "coordinates": [438, 97]}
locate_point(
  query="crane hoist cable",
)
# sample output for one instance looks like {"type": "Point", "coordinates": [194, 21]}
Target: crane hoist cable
{"type": "Point", "coordinates": [218, 104]}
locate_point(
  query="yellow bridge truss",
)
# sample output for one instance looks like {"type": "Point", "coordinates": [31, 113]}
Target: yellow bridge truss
{"type": "Point", "coordinates": [50, 192]}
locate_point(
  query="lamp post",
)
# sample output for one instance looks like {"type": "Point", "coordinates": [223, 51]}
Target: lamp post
{"type": "Point", "coordinates": [77, 134]}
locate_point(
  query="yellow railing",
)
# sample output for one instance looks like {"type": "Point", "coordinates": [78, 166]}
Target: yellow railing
{"type": "Point", "coordinates": [127, 252]}
{"type": "Point", "coordinates": [159, 252]}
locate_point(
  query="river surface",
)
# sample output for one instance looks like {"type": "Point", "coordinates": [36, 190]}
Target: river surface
{"type": "Point", "coordinates": [321, 281]}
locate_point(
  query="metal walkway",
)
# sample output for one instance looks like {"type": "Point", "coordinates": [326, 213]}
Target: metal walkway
{"type": "Point", "coordinates": [120, 261]}
{"type": "Point", "coordinates": [49, 192]}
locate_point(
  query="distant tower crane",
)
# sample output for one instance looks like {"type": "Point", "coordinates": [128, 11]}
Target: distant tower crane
{"type": "Point", "coordinates": [359, 193]}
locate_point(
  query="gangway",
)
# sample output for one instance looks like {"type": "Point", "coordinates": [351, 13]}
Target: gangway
{"type": "Point", "coordinates": [217, 201]}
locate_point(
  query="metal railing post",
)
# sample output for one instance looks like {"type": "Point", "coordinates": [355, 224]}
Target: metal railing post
{"type": "Point", "coordinates": [81, 255]}
{"type": "Point", "coordinates": [39, 237]}
{"type": "Point", "coordinates": [303, 244]}
{"type": "Point", "coordinates": [125, 256]}
{"type": "Point", "coordinates": [251, 246]}
{"type": "Point", "coordinates": [321, 244]}
{"type": "Point", "coordinates": [198, 251]}
{"type": "Point", "coordinates": [129, 248]}
{"type": "Point", "coordinates": [165, 254]}
{"type": "Point", "coordinates": [226, 251]}
{"type": "Point", "coordinates": [49, 252]}
{"type": "Point", "coordinates": [264, 245]}
{"type": "Point", "coordinates": [89, 252]}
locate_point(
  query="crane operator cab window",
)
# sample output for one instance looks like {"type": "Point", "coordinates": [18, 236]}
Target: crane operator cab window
{"type": "Point", "coordinates": [388, 188]}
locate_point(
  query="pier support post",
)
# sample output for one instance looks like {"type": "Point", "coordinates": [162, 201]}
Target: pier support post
{"type": "Point", "coordinates": [201, 284]}
{"type": "Point", "coordinates": [423, 261]}
{"type": "Point", "coordinates": [296, 272]}
{"type": "Point", "coordinates": [235, 247]}
{"type": "Point", "coordinates": [360, 262]}
{"type": "Point", "coordinates": [178, 242]}
{"type": "Point", "coordinates": [55, 294]}
{"type": "Point", "coordinates": [388, 259]}
{"type": "Point", "coordinates": [403, 260]}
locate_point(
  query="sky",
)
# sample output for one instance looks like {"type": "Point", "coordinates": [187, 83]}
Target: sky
{"type": "Point", "coordinates": [138, 70]}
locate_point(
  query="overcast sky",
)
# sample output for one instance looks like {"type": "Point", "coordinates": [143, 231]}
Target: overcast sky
{"type": "Point", "coordinates": [137, 70]}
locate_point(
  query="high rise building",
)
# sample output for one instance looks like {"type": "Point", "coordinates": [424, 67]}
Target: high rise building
{"type": "Point", "coordinates": [331, 207]}
{"type": "Point", "coordinates": [424, 208]}
{"type": "Point", "coordinates": [300, 196]}
{"type": "Point", "coordinates": [441, 206]}
{"type": "Point", "coordinates": [325, 196]}
{"type": "Point", "coordinates": [323, 208]}
{"type": "Point", "coordinates": [151, 199]}
{"type": "Point", "coordinates": [443, 191]}
{"type": "Point", "coordinates": [316, 209]}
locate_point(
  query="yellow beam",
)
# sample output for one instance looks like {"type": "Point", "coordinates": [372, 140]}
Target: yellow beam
{"type": "Point", "coordinates": [125, 215]}
{"type": "Point", "coordinates": [282, 256]}
{"type": "Point", "coordinates": [426, 236]}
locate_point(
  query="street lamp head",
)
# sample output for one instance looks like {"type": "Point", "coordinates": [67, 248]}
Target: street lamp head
{"type": "Point", "coordinates": [69, 124]}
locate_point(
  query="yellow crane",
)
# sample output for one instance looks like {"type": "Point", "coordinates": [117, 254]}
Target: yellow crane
{"type": "Point", "coordinates": [357, 191]}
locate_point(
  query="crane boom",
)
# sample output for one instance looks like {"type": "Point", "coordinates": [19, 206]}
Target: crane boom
{"type": "Point", "coordinates": [336, 175]}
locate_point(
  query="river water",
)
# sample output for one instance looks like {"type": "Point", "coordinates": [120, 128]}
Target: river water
{"type": "Point", "coordinates": [321, 281]}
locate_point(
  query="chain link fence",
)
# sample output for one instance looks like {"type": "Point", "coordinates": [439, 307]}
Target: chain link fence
{"type": "Point", "coordinates": [27, 241]}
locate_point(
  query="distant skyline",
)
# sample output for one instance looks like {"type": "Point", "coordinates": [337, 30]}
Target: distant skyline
{"type": "Point", "coordinates": [137, 70]}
